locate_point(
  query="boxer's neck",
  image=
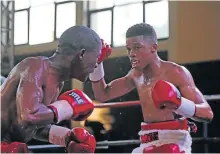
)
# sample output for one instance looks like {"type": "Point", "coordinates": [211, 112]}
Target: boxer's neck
{"type": "Point", "coordinates": [153, 68]}
{"type": "Point", "coordinates": [58, 69]}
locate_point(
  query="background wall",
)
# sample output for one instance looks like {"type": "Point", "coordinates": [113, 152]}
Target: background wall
{"type": "Point", "coordinates": [194, 31]}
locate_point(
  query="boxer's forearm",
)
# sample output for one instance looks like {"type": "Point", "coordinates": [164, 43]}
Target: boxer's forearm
{"type": "Point", "coordinates": [41, 117]}
{"type": "Point", "coordinates": [100, 90]}
{"type": "Point", "coordinates": [203, 113]}
{"type": "Point", "coordinates": [42, 134]}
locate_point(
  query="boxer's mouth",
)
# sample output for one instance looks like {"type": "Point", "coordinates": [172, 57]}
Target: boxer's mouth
{"type": "Point", "coordinates": [134, 62]}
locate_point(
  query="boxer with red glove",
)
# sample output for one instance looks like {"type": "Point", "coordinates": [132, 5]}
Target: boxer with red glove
{"type": "Point", "coordinates": [98, 72]}
{"type": "Point", "coordinates": [73, 104]}
{"type": "Point", "coordinates": [166, 95]}
{"type": "Point", "coordinates": [77, 140]}
{"type": "Point", "coordinates": [81, 141]}
{"type": "Point", "coordinates": [14, 147]}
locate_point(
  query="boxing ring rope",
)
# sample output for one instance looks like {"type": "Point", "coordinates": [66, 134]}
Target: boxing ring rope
{"type": "Point", "coordinates": [135, 103]}
{"type": "Point", "coordinates": [106, 144]}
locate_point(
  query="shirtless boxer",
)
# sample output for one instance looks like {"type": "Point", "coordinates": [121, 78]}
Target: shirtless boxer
{"type": "Point", "coordinates": [29, 104]}
{"type": "Point", "coordinates": [156, 81]}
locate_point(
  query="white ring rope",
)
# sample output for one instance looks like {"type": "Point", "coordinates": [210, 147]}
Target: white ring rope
{"type": "Point", "coordinates": [212, 97]}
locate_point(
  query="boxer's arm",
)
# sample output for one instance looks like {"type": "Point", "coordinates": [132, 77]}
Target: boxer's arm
{"type": "Point", "coordinates": [189, 90]}
{"type": "Point", "coordinates": [42, 134]}
{"type": "Point", "coordinates": [116, 88]}
{"type": "Point", "coordinates": [29, 95]}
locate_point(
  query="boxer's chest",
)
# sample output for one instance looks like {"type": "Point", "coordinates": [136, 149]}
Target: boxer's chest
{"type": "Point", "coordinates": [51, 91]}
{"type": "Point", "coordinates": [145, 84]}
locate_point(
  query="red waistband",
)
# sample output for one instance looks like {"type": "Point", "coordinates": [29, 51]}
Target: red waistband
{"type": "Point", "coordinates": [167, 125]}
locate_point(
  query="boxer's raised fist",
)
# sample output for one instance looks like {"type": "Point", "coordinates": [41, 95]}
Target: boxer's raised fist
{"type": "Point", "coordinates": [81, 141]}
{"type": "Point", "coordinates": [105, 52]}
{"type": "Point", "coordinates": [73, 104]}
{"type": "Point", "coordinates": [98, 72]}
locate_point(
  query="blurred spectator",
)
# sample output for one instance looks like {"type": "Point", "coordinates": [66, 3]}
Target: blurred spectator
{"type": "Point", "coordinates": [97, 129]}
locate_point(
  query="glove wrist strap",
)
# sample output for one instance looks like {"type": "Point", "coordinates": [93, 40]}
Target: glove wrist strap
{"type": "Point", "coordinates": [62, 109]}
{"type": "Point", "coordinates": [97, 74]}
{"type": "Point", "coordinates": [58, 135]}
{"type": "Point", "coordinates": [187, 108]}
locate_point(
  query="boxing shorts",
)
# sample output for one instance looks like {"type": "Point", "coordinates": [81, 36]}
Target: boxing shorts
{"type": "Point", "coordinates": [14, 147]}
{"type": "Point", "coordinates": [165, 137]}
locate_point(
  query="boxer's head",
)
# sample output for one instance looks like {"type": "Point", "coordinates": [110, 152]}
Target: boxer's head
{"type": "Point", "coordinates": [79, 46]}
{"type": "Point", "coordinates": [141, 43]}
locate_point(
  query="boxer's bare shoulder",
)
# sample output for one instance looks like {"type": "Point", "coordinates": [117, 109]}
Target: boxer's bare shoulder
{"type": "Point", "coordinates": [177, 74]}
{"type": "Point", "coordinates": [25, 87]}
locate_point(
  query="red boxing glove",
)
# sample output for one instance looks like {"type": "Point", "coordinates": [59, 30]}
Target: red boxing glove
{"type": "Point", "coordinates": [105, 52]}
{"type": "Point", "coordinates": [81, 141]}
{"type": "Point", "coordinates": [166, 95]}
{"type": "Point", "coordinates": [166, 148]}
{"type": "Point", "coordinates": [73, 104]}
{"type": "Point", "coordinates": [99, 72]}
{"type": "Point", "coordinates": [14, 147]}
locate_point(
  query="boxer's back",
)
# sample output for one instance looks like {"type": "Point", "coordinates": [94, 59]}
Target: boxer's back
{"type": "Point", "coordinates": [11, 127]}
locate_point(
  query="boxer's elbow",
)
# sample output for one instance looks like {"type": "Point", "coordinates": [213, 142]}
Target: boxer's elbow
{"type": "Point", "coordinates": [28, 118]}
{"type": "Point", "coordinates": [203, 113]}
{"type": "Point", "coordinates": [210, 115]}
{"type": "Point", "coordinates": [101, 98]}
{"type": "Point", "coordinates": [36, 118]}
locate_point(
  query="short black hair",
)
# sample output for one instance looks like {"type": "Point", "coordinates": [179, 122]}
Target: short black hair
{"type": "Point", "coordinates": [77, 38]}
{"type": "Point", "coordinates": [142, 29]}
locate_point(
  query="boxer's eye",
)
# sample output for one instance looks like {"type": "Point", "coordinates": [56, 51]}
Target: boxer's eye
{"type": "Point", "coordinates": [162, 106]}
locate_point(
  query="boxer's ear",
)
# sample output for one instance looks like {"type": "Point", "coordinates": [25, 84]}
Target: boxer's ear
{"type": "Point", "coordinates": [82, 52]}
{"type": "Point", "coordinates": [154, 48]}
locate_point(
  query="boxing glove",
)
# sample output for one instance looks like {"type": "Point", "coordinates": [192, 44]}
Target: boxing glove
{"type": "Point", "coordinates": [98, 72]}
{"type": "Point", "coordinates": [166, 95]}
{"type": "Point", "coordinates": [81, 141]}
{"type": "Point", "coordinates": [105, 52]}
{"type": "Point", "coordinates": [14, 147]}
{"type": "Point", "coordinates": [73, 104]}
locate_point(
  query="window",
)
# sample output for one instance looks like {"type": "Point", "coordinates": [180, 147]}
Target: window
{"type": "Point", "coordinates": [156, 14]}
{"type": "Point", "coordinates": [21, 28]}
{"type": "Point", "coordinates": [35, 20]}
{"type": "Point", "coordinates": [124, 17]}
{"type": "Point", "coordinates": [41, 24]}
{"type": "Point", "coordinates": [22, 4]}
{"type": "Point", "coordinates": [125, 14]}
{"type": "Point", "coordinates": [99, 4]}
{"type": "Point", "coordinates": [35, 3]}
{"type": "Point", "coordinates": [63, 11]}
{"type": "Point", "coordinates": [120, 2]}
{"type": "Point", "coordinates": [101, 23]}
